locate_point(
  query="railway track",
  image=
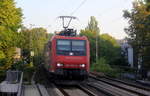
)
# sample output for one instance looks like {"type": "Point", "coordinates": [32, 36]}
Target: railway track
{"type": "Point", "coordinates": [95, 87]}
{"type": "Point", "coordinates": [109, 90]}
{"type": "Point", "coordinates": [124, 82]}
{"type": "Point", "coordinates": [34, 90]}
{"type": "Point", "coordinates": [124, 87]}
{"type": "Point", "coordinates": [77, 90]}
{"type": "Point", "coordinates": [61, 90]}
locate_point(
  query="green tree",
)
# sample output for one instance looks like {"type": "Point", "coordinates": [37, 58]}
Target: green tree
{"type": "Point", "coordinates": [39, 38]}
{"type": "Point", "coordinates": [10, 16]}
{"type": "Point", "coordinates": [33, 40]}
{"type": "Point", "coordinates": [93, 25]}
{"type": "Point", "coordinates": [139, 29]}
{"type": "Point", "coordinates": [10, 21]}
{"type": "Point", "coordinates": [91, 37]}
{"type": "Point", "coordinates": [92, 32]}
{"type": "Point", "coordinates": [109, 49]}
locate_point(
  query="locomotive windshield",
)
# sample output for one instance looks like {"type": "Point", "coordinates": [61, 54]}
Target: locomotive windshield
{"type": "Point", "coordinates": [76, 47]}
{"type": "Point", "coordinates": [63, 45]}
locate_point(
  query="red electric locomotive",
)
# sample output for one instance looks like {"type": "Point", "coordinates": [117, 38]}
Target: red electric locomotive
{"type": "Point", "coordinates": [67, 55]}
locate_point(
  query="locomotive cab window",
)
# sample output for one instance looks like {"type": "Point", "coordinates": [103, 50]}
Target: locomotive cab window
{"type": "Point", "coordinates": [77, 47]}
{"type": "Point", "coordinates": [63, 45]}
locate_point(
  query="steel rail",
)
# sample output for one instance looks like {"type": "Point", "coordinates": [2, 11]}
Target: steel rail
{"type": "Point", "coordinates": [63, 91]}
{"type": "Point", "coordinates": [129, 90]}
{"type": "Point", "coordinates": [39, 90]}
{"type": "Point", "coordinates": [87, 91]}
{"type": "Point", "coordinates": [42, 90]}
{"type": "Point", "coordinates": [124, 82]}
{"type": "Point", "coordinates": [101, 90]}
{"type": "Point", "coordinates": [130, 84]}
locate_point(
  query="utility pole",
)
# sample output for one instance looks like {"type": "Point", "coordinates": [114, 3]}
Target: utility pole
{"type": "Point", "coordinates": [96, 47]}
{"type": "Point", "coordinates": [31, 52]}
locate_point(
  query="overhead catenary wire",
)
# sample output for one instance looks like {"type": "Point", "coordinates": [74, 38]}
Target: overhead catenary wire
{"type": "Point", "coordinates": [118, 18]}
{"type": "Point", "coordinates": [112, 8]}
{"type": "Point", "coordinates": [81, 4]}
{"type": "Point", "coordinates": [75, 10]}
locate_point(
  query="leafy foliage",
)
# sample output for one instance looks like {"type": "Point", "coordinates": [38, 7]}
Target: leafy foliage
{"type": "Point", "coordinates": [10, 21]}
{"type": "Point", "coordinates": [92, 32]}
{"type": "Point", "coordinates": [103, 66]}
{"type": "Point", "coordinates": [107, 46]}
{"type": "Point", "coordinates": [109, 51]}
{"type": "Point", "coordinates": [93, 25]}
{"type": "Point", "coordinates": [139, 29]}
{"type": "Point", "coordinates": [10, 16]}
{"type": "Point", "coordinates": [91, 38]}
{"type": "Point", "coordinates": [33, 40]}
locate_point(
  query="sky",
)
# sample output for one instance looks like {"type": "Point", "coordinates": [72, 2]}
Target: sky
{"type": "Point", "coordinates": [108, 13]}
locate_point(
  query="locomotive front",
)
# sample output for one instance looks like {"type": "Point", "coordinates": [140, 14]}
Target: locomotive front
{"type": "Point", "coordinates": [71, 57]}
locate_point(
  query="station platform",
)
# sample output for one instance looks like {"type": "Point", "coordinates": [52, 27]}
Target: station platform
{"type": "Point", "coordinates": [6, 87]}
{"type": "Point", "coordinates": [12, 83]}
{"type": "Point", "coordinates": [30, 90]}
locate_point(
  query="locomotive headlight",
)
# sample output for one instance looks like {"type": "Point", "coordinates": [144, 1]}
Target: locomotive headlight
{"type": "Point", "coordinates": [82, 65]}
{"type": "Point", "coordinates": [59, 65]}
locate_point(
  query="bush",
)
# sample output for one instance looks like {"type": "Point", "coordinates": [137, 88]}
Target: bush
{"type": "Point", "coordinates": [28, 74]}
{"type": "Point", "coordinates": [103, 66]}
{"type": "Point", "coordinates": [27, 68]}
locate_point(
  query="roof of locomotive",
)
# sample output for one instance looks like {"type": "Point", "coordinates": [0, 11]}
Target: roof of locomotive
{"type": "Point", "coordinates": [69, 37]}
